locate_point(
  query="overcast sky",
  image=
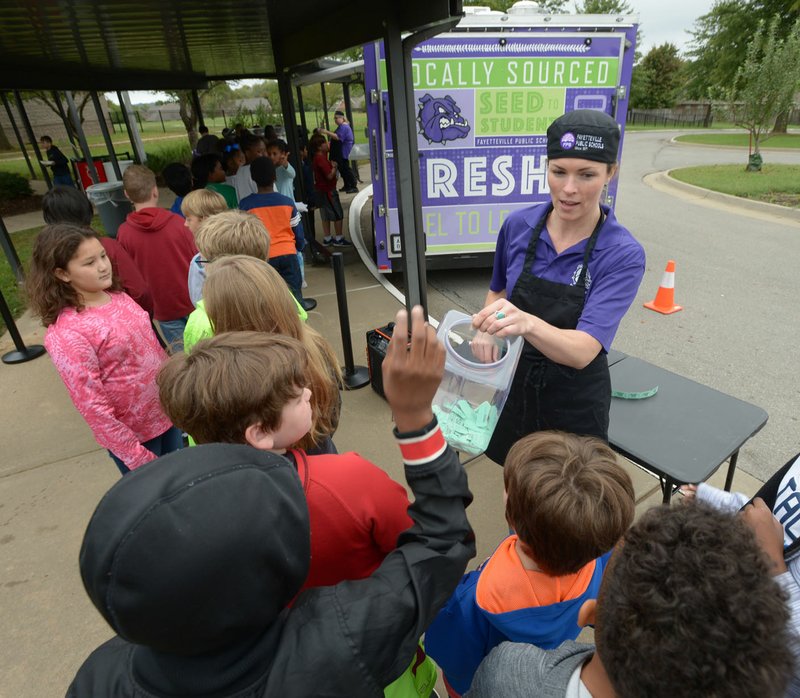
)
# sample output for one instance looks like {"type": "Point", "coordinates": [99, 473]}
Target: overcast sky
{"type": "Point", "coordinates": [662, 21]}
{"type": "Point", "coordinates": [665, 21]}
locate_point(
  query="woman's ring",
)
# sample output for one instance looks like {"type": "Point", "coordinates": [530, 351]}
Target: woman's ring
{"type": "Point", "coordinates": [499, 314]}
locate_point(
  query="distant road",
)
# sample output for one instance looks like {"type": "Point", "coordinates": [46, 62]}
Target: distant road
{"type": "Point", "coordinates": [737, 277]}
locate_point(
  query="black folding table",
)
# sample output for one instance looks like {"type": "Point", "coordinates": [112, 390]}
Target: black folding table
{"type": "Point", "coordinates": [684, 432]}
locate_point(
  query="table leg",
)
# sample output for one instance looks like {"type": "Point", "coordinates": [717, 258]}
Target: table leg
{"type": "Point", "coordinates": [731, 470]}
{"type": "Point", "coordinates": [667, 486]}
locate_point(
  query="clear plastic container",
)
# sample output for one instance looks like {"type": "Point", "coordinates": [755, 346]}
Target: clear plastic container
{"type": "Point", "coordinates": [473, 391]}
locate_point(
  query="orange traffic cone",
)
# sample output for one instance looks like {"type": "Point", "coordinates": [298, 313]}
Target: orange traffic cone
{"type": "Point", "coordinates": [664, 301]}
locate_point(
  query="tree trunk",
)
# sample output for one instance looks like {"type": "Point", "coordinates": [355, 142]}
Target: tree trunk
{"type": "Point", "coordinates": [781, 122]}
{"type": "Point", "coordinates": [188, 116]}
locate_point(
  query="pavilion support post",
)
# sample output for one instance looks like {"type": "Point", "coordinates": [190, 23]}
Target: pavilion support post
{"type": "Point", "coordinates": [293, 141]}
{"type": "Point", "coordinates": [348, 112]}
{"type": "Point", "coordinates": [32, 137]}
{"type": "Point", "coordinates": [20, 140]}
{"type": "Point", "coordinates": [101, 119]}
{"type": "Point", "coordinates": [290, 124]}
{"type": "Point", "coordinates": [76, 124]}
{"type": "Point", "coordinates": [406, 155]}
{"type": "Point", "coordinates": [324, 106]}
{"type": "Point", "coordinates": [302, 109]}
{"type": "Point", "coordinates": [139, 156]}
{"type": "Point", "coordinates": [11, 253]}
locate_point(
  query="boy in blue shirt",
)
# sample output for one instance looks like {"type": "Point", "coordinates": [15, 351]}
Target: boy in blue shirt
{"type": "Point", "coordinates": [569, 502]}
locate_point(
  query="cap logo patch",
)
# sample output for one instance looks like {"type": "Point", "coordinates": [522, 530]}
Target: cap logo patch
{"type": "Point", "coordinates": [567, 141]}
{"type": "Point", "coordinates": [587, 142]}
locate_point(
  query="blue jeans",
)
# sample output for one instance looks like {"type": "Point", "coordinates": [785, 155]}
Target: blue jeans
{"type": "Point", "coordinates": [289, 269]}
{"type": "Point", "coordinates": [171, 440]}
{"type": "Point", "coordinates": [173, 333]}
{"type": "Point", "coordinates": [63, 180]}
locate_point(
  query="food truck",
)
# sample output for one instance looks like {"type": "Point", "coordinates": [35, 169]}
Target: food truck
{"type": "Point", "coordinates": [484, 95]}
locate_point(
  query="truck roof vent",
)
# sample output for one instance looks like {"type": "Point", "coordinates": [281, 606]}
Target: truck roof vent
{"type": "Point", "coordinates": [526, 7]}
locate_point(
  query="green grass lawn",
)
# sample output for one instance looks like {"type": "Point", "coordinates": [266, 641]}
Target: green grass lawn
{"type": "Point", "coordinates": [775, 184]}
{"type": "Point", "coordinates": [783, 140]}
{"type": "Point", "coordinates": [14, 295]}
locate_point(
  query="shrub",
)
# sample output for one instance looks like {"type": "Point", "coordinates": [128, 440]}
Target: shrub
{"type": "Point", "coordinates": [13, 186]}
{"type": "Point", "coordinates": [178, 152]}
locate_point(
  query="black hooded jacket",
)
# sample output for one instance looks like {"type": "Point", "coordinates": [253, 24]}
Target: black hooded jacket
{"type": "Point", "coordinates": [192, 559]}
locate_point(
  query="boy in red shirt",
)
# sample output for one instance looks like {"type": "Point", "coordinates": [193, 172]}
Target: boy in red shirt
{"type": "Point", "coordinates": [247, 387]}
{"type": "Point", "coordinates": [327, 198]}
{"type": "Point", "coordinates": [162, 247]}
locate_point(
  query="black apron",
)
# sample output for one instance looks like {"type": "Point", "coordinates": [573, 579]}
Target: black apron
{"type": "Point", "coordinates": [544, 394]}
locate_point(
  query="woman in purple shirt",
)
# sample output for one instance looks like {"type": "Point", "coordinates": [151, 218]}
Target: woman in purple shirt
{"type": "Point", "coordinates": [564, 275]}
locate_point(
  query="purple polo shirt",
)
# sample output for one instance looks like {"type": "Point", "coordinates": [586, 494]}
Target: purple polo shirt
{"type": "Point", "coordinates": [345, 135]}
{"type": "Point", "coordinates": [616, 268]}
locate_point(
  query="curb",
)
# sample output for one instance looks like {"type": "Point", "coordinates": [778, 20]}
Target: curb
{"type": "Point", "coordinates": [664, 181]}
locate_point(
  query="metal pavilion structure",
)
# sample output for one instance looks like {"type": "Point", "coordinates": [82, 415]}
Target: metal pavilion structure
{"type": "Point", "coordinates": [121, 45]}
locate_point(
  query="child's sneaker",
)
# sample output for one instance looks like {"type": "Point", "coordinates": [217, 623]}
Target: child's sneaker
{"type": "Point", "coordinates": [327, 241]}
{"type": "Point", "coordinates": [341, 242]}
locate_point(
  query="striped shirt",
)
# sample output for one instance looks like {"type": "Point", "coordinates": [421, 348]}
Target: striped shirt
{"type": "Point", "coordinates": [279, 214]}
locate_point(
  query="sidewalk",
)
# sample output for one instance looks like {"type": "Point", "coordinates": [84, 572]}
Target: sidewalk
{"type": "Point", "coordinates": [52, 475]}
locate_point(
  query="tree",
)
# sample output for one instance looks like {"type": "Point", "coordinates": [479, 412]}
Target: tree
{"type": "Point", "coordinates": [657, 79]}
{"type": "Point", "coordinates": [187, 111]}
{"type": "Point", "coordinates": [81, 100]}
{"type": "Point", "coordinates": [604, 7]}
{"type": "Point", "coordinates": [765, 84]}
{"type": "Point", "coordinates": [551, 6]}
{"type": "Point", "coordinates": [217, 97]}
{"type": "Point", "coordinates": [719, 41]}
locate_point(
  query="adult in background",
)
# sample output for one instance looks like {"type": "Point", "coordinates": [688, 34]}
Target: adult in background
{"type": "Point", "coordinates": [57, 161]}
{"type": "Point", "coordinates": [342, 141]}
{"type": "Point", "coordinates": [565, 273]}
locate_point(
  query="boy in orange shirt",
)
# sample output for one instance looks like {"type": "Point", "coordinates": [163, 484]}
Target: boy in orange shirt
{"type": "Point", "coordinates": [569, 502]}
{"type": "Point", "coordinates": [284, 225]}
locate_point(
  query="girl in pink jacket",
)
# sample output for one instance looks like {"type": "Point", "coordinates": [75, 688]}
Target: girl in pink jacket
{"type": "Point", "coordinates": [102, 345]}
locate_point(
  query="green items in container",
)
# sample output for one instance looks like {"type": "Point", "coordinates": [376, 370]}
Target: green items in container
{"type": "Point", "coordinates": [465, 427]}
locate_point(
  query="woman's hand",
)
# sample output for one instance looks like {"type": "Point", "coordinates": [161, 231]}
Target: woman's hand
{"type": "Point", "coordinates": [484, 348]}
{"type": "Point", "coordinates": [503, 319]}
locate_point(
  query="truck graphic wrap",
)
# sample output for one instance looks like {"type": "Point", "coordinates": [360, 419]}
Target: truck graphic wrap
{"type": "Point", "coordinates": [484, 102]}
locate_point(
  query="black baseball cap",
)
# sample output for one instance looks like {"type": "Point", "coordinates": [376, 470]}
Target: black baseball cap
{"type": "Point", "coordinates": [584, 133]}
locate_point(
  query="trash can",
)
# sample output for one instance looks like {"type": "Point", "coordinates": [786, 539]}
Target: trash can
{"type": "Point", "coordinates": [111, 204]}
{"type": "Point", "coordinates": [108, 167]}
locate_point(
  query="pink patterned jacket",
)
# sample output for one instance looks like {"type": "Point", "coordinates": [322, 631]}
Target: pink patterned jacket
{"type": "Point", "coordinates": [108, 358]}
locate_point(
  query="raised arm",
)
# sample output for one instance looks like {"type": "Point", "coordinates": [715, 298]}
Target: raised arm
{"type": "Point", "coordinates": [379, 620]}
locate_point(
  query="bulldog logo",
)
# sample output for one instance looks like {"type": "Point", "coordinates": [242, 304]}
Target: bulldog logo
{"type": "Point", "coordinates": [440, 119]}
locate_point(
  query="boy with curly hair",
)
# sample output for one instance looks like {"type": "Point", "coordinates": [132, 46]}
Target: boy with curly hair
{"type": "Point", "coordinates": [688, 606]}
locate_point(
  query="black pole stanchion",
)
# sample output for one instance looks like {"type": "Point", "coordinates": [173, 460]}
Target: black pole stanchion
{"type": "Point", "coordinates": [22, 353]}
{"type": "Point", "coordinates": [354, 376]}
